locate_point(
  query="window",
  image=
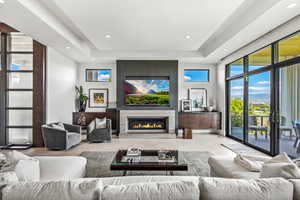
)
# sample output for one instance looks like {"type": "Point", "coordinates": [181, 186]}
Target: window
{"type": "Point", "coordinates": [260, 58]}
{"type": "Point", "coordinates": [98, 75]}
{"type": "Point", "coordinates": [236, 68]}
{"type": "Point", "coordinates": [289, 48]}
{"type": "Point", "coordinates": [196, 75]}
{"type": "Point", "coordinates": [257, 87]}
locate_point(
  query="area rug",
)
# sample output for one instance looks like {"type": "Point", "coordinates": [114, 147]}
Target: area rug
{"type": "Point", "coordinates": [241, 149]}
{"type": "Point", "coordinates": [98, 165]}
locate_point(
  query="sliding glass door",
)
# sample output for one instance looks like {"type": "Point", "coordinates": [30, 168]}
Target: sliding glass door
{"type": "Point", "coordinates": [236, 108]}
{"type": "Point", "coordinates": [263, 98]}
{"type": "Point", "coordinates": [289, 109]}
{"type": "Point", "coordinates": [259, 110]}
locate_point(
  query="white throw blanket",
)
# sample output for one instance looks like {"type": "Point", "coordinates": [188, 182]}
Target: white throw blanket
{"type": "Point", "coordinates": [252, 163]}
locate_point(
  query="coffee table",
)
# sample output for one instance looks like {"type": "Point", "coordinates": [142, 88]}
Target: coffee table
{"type": "Point", "coordinates": [149, 162]}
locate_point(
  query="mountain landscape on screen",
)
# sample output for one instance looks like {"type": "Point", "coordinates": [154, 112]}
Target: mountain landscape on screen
{"type": "Point", "coordinates": [147, 92]}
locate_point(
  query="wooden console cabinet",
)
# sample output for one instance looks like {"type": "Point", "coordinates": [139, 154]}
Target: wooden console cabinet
{"type": "Point", "coordinates": [111, 114]}
{"type": "Point", "coordinates": [200, 120]}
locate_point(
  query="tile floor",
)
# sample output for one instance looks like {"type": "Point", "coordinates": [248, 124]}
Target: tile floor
{"type": "Point", "coordinates": [200, 142]}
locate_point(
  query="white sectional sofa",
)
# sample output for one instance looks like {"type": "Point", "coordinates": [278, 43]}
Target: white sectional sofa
{"type": "Point", "coordinates": [63, 178]}
{"type": "Point", "coordinates": [155, 188]}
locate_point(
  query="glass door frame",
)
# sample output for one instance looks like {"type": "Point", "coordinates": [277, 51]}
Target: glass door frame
{"type": "Point", "coordinates": [39, 89]}
{"type": "Point", "coordinates": [277, 68]}
{"type": "Point", "coordinates": [245, 76]}
{"type": "Point", "coordinates": [275, 106]}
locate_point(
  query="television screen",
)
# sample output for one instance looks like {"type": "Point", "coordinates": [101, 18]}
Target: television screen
{"type": "Point", "coordinates": [147, 92]}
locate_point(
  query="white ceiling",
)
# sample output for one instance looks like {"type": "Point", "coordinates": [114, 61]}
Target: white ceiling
{"type": "Point", "coordinates": [147, 25]}
{"type": "Point", "coordinates": [146, 29]}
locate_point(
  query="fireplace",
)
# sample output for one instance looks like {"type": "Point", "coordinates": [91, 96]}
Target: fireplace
{"type": "Point", "coordinates": [157, 123]}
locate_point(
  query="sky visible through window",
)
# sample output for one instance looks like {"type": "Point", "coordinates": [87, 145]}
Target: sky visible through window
{"type": "Point", "coordinates": [196, 75]}
{"type": "Point", "coordinates": [104, 75]}
{"type": "Point", "coordinates": [259, 88]}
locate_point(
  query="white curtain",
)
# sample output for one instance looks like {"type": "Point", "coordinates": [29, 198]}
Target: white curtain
{"type": "Point", "coordinates": [290, 93]}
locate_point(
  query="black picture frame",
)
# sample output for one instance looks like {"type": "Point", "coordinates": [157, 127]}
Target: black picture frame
{"type": "Point", "coordinates": [105, 90]}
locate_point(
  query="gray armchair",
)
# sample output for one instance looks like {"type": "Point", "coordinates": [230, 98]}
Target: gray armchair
{"type": "Point", "coordinates": [60, 136]}
{"type": "Point", "coordinates": [100, 134]}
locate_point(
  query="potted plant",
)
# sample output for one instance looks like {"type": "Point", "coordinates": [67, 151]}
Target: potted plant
{"type": "Point", "coordinates": [81, 98]}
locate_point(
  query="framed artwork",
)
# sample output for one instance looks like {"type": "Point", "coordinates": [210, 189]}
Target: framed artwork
{"type": "Point", "coordinates": [98, 75]}
{"type": "Point", "coordinates": [198, 96]}
{"type": "Point", "coordinates": [98, 98]}
{"type": "Point", "coordinates": [186, 105]}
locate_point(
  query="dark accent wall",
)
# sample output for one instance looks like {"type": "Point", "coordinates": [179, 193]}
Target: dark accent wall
{"type": "Point", "coordinates": [151, 69]}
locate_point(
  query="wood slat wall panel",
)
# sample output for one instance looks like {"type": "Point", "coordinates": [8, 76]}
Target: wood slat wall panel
{"type": "Point", "coordinates": [39, 95]}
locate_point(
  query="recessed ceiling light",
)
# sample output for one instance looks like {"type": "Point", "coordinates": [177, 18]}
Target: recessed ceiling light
{"type": "Point", "coordinates": [68, 47]}
{"type": "Point", "coordinates": [188, 37]}
{"type": "Point", "coordinates": [2, 1]}
{"type": "Point", "coordinates": [107, 36]}
{"type": "Point", "coordinates": [292, 5]}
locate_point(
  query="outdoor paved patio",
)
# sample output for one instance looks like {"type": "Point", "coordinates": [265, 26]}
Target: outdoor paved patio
{"type": "Point", "coordinates": [286, 142]}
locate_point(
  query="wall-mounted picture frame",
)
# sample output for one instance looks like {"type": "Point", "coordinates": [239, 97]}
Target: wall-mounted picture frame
{"type": "Point", "coordinates": [98, 75]}
{"type": "Point", "coordinates": [98, 98]}
{"type": "Point", "coordinates": [186, 105]}
{"type": "Point", "coordinates": [198, 96]}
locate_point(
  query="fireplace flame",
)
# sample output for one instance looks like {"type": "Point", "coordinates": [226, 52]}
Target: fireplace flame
{"type": "Point", "coordinates": [148, 125]}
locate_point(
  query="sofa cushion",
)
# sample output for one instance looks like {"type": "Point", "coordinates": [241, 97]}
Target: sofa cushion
{"type": "Point", "coordinates": [59, 190]}
{"type": "Point", "coordinates": [147, 179]}
{"type": "Point", "coordinates": [62, 167]}
{"type": "Point", "coordinates": [178, 190]}
{"type": "Point", "coordinates": [100, 123]}
{"type": "Point", "coordinates": [237, 189]}
{"type": "Point", "coordinates": [280, 166]}
{"type": "Point", "coordinates": [26, 168]}
{"type": "Point", "coordinates": [225, 167]}
{"type": "Point", "coordinates": [284, 170]}
{"type": "Point", "coordinates": [296, 183]}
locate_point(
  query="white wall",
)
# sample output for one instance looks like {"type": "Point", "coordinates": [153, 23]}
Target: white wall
{"type": "Point", "coordinates": [61, 81]}
{"type": "Point", "coordinates": [111, 86]}
{"type": "Point", "coordinates": [182, 86]}
{"type": "Point", "coordinates": [278, 33]}
{"type": "Point", "coordinates": [210, 86]}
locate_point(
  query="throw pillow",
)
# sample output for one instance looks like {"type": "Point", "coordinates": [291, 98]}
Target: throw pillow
{"type": "Point", "coordinates": [281, 158]}
{"type": "Point", "coordinates": [2, 160]}
{"type": "Point", "coordinates": [59, 126]}
{"type": "Point", "coordinates": [100, 123]}
{"type": "Point", "coordinates": [91, 127]}
{"type": "Point", "coordinates": [8, 177]}
{"type": "Point", "coordinates": [177, 190]}
{"type": "Point", "coordinates": [25, 167]}
{"type": "Point", "coordinates": [280, 166]}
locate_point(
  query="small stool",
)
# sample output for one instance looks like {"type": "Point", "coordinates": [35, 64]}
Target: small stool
{"type": "Point", "coordinates": [187, 133]}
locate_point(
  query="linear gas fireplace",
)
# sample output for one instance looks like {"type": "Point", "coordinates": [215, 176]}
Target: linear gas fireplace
{"type": "Point", "coordinates": [149, 123]}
